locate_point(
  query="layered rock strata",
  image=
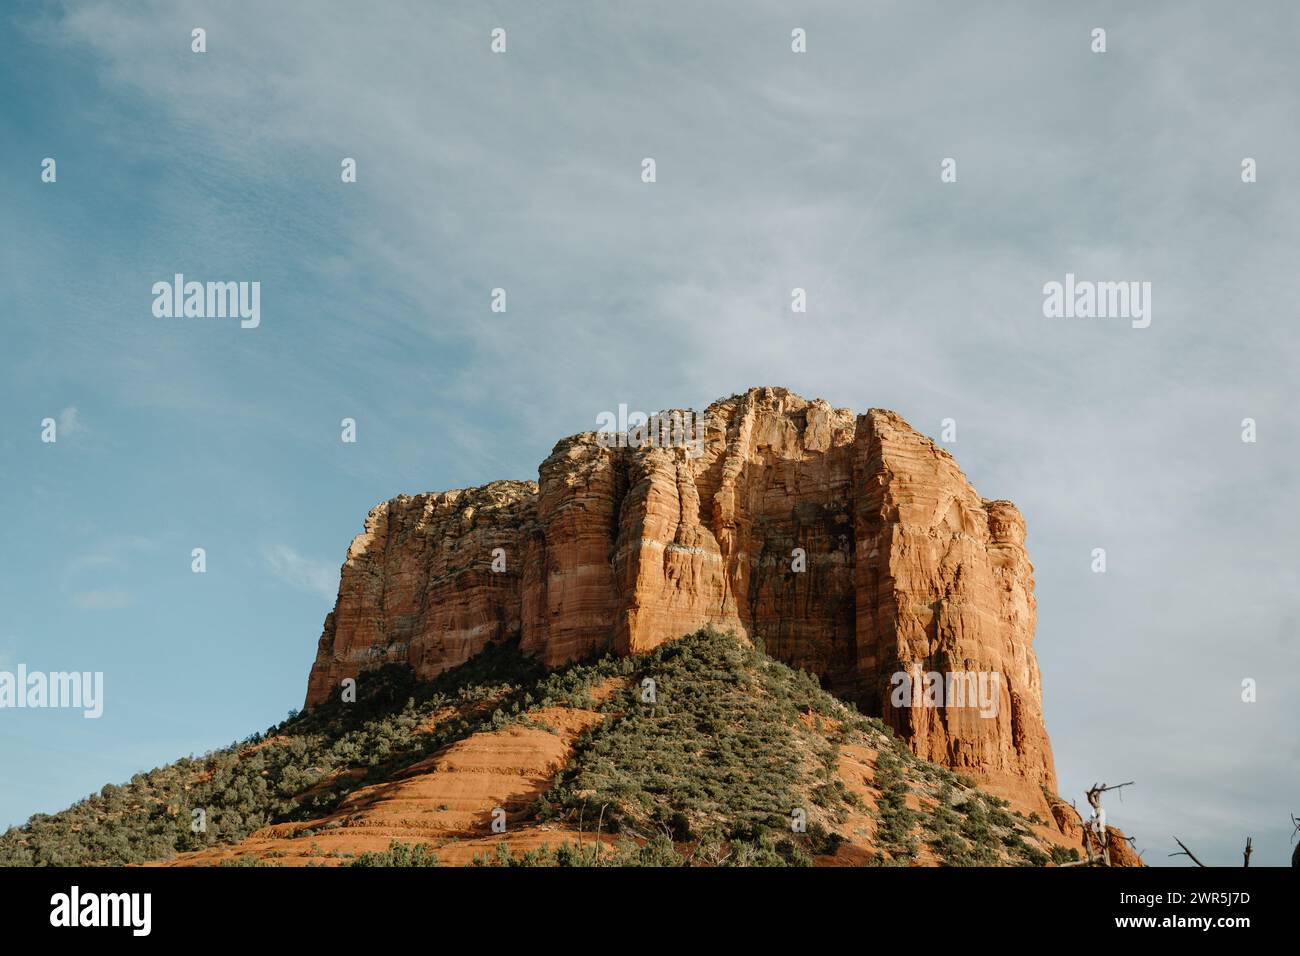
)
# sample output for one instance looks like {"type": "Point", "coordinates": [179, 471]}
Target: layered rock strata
{"type": "Point", "coordinates": [850, 546]}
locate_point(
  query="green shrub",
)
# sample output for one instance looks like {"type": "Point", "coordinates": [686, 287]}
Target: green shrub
{"type": "Point", "coordinates": [1061, 855]}
{"type": "Point", "coordinates": [720, 760]}
{"type": "Point", "coordinates": [399, 854]}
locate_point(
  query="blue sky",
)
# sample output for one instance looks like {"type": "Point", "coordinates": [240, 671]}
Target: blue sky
{"type": "Point", "coordinates": [521, 171]}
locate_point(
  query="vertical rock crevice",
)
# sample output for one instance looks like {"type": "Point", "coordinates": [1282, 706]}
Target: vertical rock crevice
{"type": "Point", "coordinates": [905, 566]}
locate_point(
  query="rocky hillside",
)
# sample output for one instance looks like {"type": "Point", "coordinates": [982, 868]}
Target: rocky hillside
{"type": "Point", "coordinates": [849, 546]}
{"type": "Point", "coordinates": [684, 648]}
{"type": "Point", "coordinates": [704, 751]}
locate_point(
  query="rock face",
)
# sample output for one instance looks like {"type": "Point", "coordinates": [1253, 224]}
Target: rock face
{"type": "Point", "coordinates": [849, 546]}
{"type": "Point", "coordinates": [418, 587]}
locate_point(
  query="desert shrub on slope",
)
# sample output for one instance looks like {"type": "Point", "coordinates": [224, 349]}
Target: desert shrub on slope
{"type": "Point", "coordinates": [721, 752]}
{"type": "Point", "coordinates": [293, 771]}
{"type": "Point", "coordinates": [711, 769]}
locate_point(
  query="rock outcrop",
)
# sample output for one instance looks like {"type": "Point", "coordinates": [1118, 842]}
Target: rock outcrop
{"type": "Point", "coordinates": [850, 546]}
{"type": "Point", "coordinates": [1070, 823]}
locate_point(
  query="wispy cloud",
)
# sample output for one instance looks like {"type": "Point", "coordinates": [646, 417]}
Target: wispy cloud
{"type": "Point", "coordinates": [103, 599]}
{"type": "Point", "coordinates": [775, 171]}
{"type": "Point", "coordinates": [111, 552]}
{"type": "Point", "coordinates": [70, 421]}
{"type": "Point", "coordinates": [302, 573]}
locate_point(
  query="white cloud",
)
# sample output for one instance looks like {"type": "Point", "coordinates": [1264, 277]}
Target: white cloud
{"type": "Point", "coordinates": [111, 552]}
{"type": "Point", "coordinates": [821, 172]}
{"type": "Point", "coordinates": [103, 599]}
{"type": "Point", "coordinates": [70, 421]}
{"type": "Point", "coordinates": [302, 573]}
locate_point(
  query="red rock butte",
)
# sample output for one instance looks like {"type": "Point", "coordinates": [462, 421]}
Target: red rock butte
{"type": "Point", "coordinates": [624, 548]}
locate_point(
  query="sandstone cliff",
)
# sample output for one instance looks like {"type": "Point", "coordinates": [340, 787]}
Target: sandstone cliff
{"type": "Point", "coordinates": [904, 568]}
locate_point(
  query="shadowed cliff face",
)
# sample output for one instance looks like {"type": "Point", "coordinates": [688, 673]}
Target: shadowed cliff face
{"type": "Point", "coordinates": [903, 568]}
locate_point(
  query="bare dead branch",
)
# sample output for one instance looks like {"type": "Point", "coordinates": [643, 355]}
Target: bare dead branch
{"type": "Point", "coordinates": [599, 824]}
{"type": "Point", "coordinates": [1186, 852]}
{"type": "Point", "coordinates": [1247, 854]}
{"type": "Point", "coordinates": [1098, 789]}
{"type": "Point", "coordinates": [1098, 815]}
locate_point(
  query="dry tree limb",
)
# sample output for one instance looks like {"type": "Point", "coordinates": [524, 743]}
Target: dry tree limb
{"type": "Point", "coordinates": [1247, 854]}
{"type": "Point", "coordinates": [1098, 818]}
{"type": "Point", "coordinates": [599, 824]}
{"type": "Point", "coordinates": [1186, 852]}
{"type": "Point", "coordinates": [1098, 789]}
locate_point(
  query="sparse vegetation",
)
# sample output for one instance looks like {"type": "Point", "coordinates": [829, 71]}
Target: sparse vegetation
{"type": "Point", "coordinates": [897, 821]}
{"type": "Point", "coordinates": [1061, 855]}
{"type": "Point", "coordinates": [296, 770]}
{"type": "Point", "coordinates": [722, 746]}
{"type": "Point", "coordinates": [399, 854]}
{"type": "Point", "coordinates": [732, 748]}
